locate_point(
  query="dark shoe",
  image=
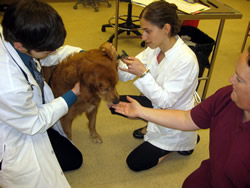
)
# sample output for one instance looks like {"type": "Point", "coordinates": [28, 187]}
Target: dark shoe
{"type": "Point", "coordinates": [186, 153]}
{"type": "Point", "coordinates": [138, 134]}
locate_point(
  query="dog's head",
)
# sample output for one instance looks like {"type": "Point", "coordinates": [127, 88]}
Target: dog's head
{"type": "Point", "coordinates": [105, 84]}
{"type": "Point", "coordinates": [99, 73]}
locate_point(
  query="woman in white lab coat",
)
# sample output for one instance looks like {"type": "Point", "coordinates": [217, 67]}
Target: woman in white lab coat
{"type": "Point", "coordinates": [33, 29]}
{"type": "Point", "coordinates": [166, 74]}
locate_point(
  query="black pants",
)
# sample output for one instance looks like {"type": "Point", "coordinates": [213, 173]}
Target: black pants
{"type": "Point", "coordinates": [144, 101]}
{"type": "Point", "coordinates": [145, 156]}
{"type": "Point", "coordinates": [68, 156]}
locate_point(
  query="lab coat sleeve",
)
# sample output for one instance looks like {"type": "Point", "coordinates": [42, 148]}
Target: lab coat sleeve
{"type": "Point", "coordinates": [17, 103]}
{"type": "Point", "coordinates": [59, 55]}
{"type": "Point", "coordinates": [175, 83]}
{"type": "Point", "coordinates": [22, 113]}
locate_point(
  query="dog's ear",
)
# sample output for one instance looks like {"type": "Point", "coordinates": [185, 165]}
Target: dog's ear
{"type": "Point", "coordinates": [109, 49]}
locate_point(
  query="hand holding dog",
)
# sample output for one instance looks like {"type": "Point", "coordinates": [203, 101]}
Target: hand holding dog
{"type": "Point", "coordinates": [76, 89]}
{"type": "Point", "coordinates": [135, 66]}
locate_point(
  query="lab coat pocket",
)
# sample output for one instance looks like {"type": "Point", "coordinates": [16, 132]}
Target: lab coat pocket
{"type": "Point", "coordinates": [19, 166]}
{"type": "Point", "coordinates": [18, 160]}
{"type": "Point", "coordinates": [1, 156]}
{"type": "Point", "coordinates": [9, 156]}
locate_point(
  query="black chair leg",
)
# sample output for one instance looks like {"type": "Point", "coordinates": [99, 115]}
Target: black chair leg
{"type": "Point", "coordinates": [127, 26]}
{"type": "Point", "coordinates": [104, 27]}
{"type": "Point", "coordinates": [137, 33]}
{"type": "Point", "coordinates": [113, 36]}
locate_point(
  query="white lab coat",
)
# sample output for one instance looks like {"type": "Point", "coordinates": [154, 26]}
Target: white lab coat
{"type": "Point", "coordinates": [169, 85]}
{"type": "Point", "coordinates": [27, 157]}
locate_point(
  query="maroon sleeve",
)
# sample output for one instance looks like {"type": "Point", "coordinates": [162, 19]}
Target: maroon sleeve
{"type": "Point", "coordinates": [203, 113]}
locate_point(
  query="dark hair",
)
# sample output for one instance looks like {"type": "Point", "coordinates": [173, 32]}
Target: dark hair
{"type": "Point", "coordinates": [160, 13]}
{"type": "Point", "coordinates": [35, 24]}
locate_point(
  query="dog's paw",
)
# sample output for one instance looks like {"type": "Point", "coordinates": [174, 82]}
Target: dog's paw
{"type": "Point", "coordinates": [96, 139]}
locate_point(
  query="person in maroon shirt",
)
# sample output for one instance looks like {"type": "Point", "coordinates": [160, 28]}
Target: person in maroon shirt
{"type": "Point", "coordinates": [227, 114]}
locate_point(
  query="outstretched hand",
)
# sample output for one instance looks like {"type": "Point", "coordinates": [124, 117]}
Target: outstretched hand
{"type": "Point", "coordinates": [131, 109]}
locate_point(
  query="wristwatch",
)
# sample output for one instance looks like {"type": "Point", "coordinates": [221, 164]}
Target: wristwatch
{"type": "Point", "coordinates": [143, 74]}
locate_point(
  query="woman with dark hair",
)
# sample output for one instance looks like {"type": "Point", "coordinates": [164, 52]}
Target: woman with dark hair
{"type": "Point", "coordinates": [34, 151]}
{"type": "Point", "coordinates": [167, 76]}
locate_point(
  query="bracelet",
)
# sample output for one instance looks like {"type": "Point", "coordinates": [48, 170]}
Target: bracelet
{"type": "Point", "coordinates": [143, 74]}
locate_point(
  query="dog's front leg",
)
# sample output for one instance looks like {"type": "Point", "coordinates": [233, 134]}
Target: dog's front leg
{"type": "Point", "coordinates": [91, 115]}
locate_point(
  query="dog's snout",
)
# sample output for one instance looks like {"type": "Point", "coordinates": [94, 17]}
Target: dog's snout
{"type": "Point", "coordinates": [116, 101]}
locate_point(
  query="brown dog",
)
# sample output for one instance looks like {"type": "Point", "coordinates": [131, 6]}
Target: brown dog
{"type": "Point", "coordinates": [97, 72]}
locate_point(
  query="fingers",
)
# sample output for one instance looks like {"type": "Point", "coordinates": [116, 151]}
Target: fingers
{"type": "Point", "coordinates": [129, 60]}
{"type": "Point", "coordinates": [134, 66]}
{"type": "Point", "coordinates": [119, 105]}
{"type": "Point", "coordinates": [119, 108]}
{"type": "Point", "coordinates": [122, 69]}
{"type": "Point", "coordinates": [133, 63]}
{"type": "Point", "coordinates": [130, 99]}
{"type": "Point", "coordinates": [130, 67]}
{"type": "Point", "coordinates": [76, 89]}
